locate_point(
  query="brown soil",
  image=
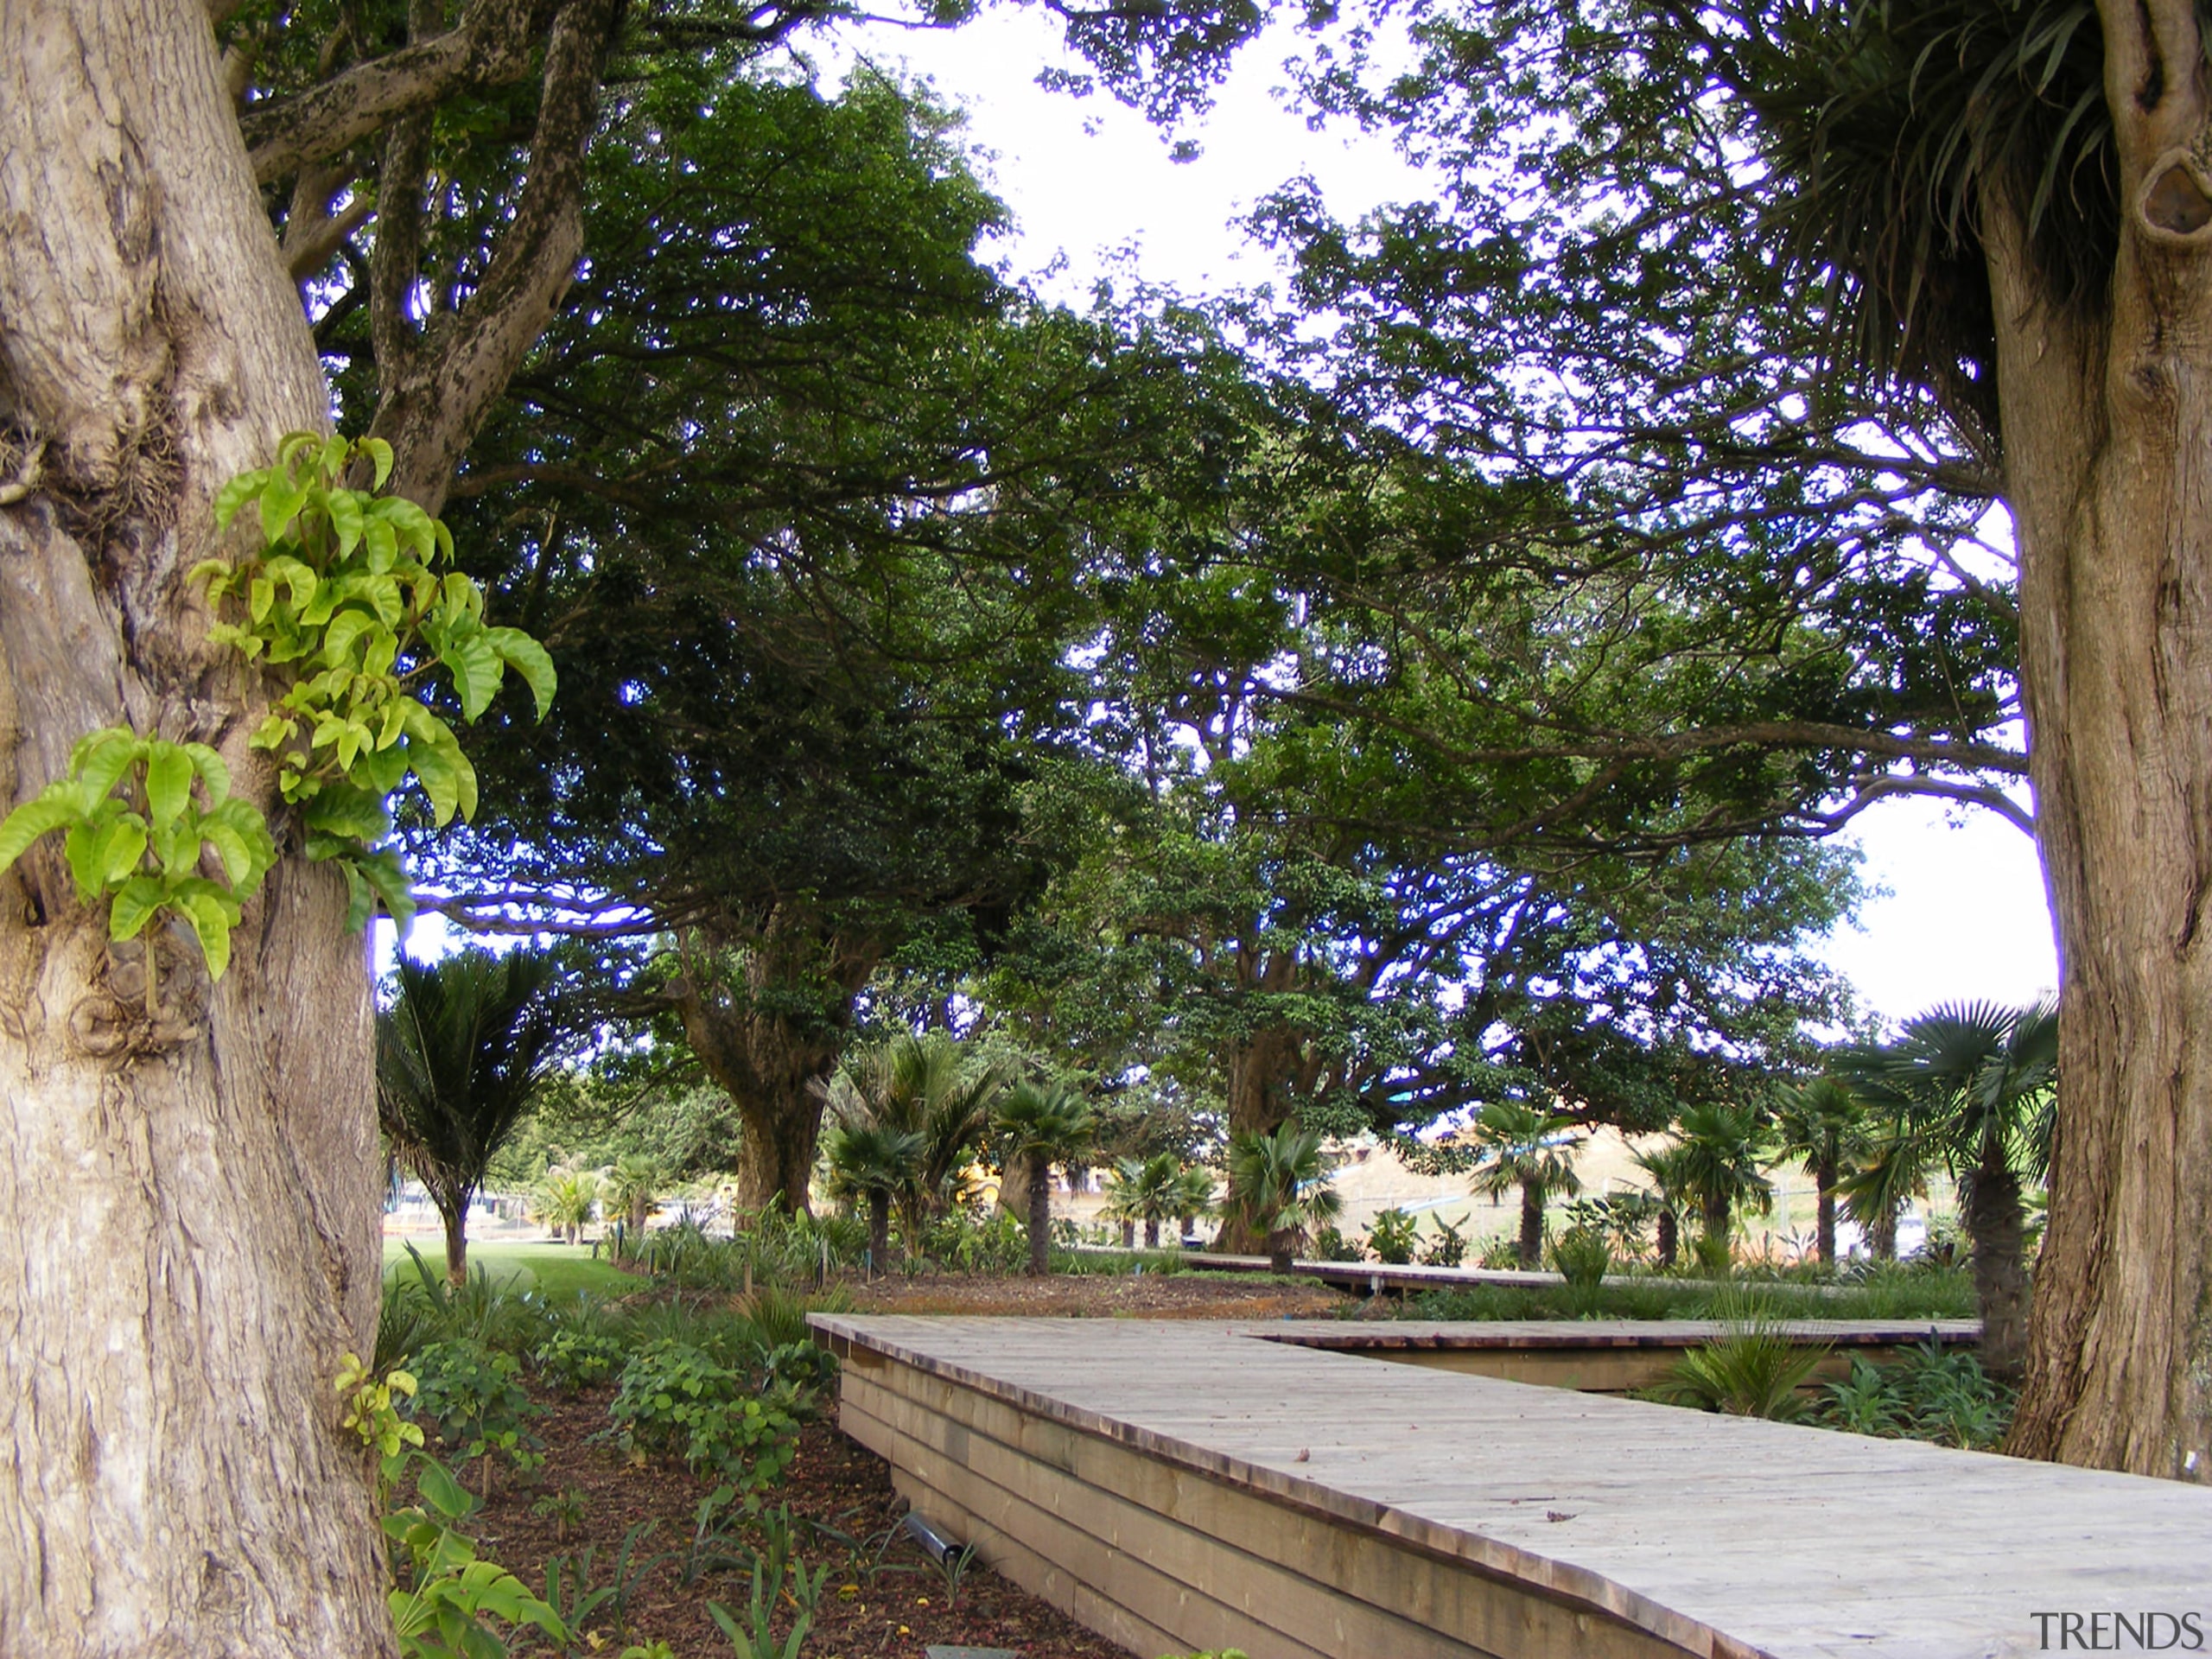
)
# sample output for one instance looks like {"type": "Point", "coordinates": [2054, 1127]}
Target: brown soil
{"type": "Point", "coordinates": [884, 1601]}
{"type": "Point", "coordinates": [1152, 1296]}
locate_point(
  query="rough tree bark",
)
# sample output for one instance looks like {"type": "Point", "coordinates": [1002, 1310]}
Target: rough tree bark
{"type": "Point", "coordinates": [765, 1040]}
{"type": "Point", "coordinates": [190, 1201]}
{"type": "Point", "coordinates": [1530, 1249]}
{"type": "Point", "coordinates": [2107, 431]}
{"type": "Point", "coordinates": [1995, 1227]}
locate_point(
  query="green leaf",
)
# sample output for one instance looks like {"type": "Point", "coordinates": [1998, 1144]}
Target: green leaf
{"type": "Point", "coordinates": [379, 452]}
{"type": "Point", "coordinates": [215, 776]}
{"type": "Point", "coordinates": [261, 594]}
{"type": "Point", "coordinates": [441, 781]}
{"type": "Point", "coordinates": [235, 494]}
{"type": "Point", "coordinates": [336, 452]}
{"type": "Point", "coordinates": [342, 810]}
{"type": "Point", "coordinates": [380, 772]}
{"type": "Point", "coordinates": [384, 873]}
{"type": "Point", "coordinates": [297, 577]}
{"type": "Point", "coordinates": [273, 732]}
{"type": "Point", "coordinates": [216, 573]}
{"type": "Point", "coordinates": [476, 668]}
{"type": "Point", "coordinates": [441, 1492]}
{"type": "Point", "coordinates": [281, 502]}
{"type": "Point", "coordinates": [382, 545]}
{"type": "Point", "coordinates": [55, 808]}
{"type": "Point", "coordinates": [121, 848]}
{"type": "Point", "coordinates": [528, 659]}
{"type": "Point", "coordinates": [212, 929]}
{"type": "Point", "coordinates": [101, 759]}
{"type": "Point", "coordinates": [344, 633]}
{"type": "Point", "coordinates": [168, 783]}
{"type": "Point", "coordinates": [136, 904]}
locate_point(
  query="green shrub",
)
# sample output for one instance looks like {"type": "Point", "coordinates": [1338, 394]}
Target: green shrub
{"type": "Point", "coordinates": [1582, 1257]}
{"type": "Point", "coordinates": [1929, 1394]}
{"type": "Point", "coordinates": [1499, 1255]}
{"type": "Point", "coordinates": [1330, 1245]}
{"type": "Point", "coordinates": [474, 1394]}
{"type": "Point", "coordinates": [678, 1400]}
{"type": "Point", "coordinates": [1392, 1236]}
{"type": "Point", "coordinates": [1447, 1249]}
{"type": "Point", "coordinates": [573, 1358]}
{"type": "Point", "coordinates": [1753, 1370]}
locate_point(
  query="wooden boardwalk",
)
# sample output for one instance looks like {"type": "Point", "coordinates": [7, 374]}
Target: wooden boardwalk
{"type": "Point", "coordinates": [1602, 1355]}
{"type": "Point", "coordinates": [1180, 1485]}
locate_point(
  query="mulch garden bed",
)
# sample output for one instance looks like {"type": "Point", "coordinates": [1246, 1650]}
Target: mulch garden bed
{"type": "Point", "coordinates": [1152, 1296]}
{"type": "Point", "coordinates": [870, 1609]}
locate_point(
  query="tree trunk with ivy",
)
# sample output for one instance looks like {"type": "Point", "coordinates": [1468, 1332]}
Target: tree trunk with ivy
{"type": "Point", "coordinates": [192, 1200]}
{"type": "Point", "coordinates": [2106, 414]}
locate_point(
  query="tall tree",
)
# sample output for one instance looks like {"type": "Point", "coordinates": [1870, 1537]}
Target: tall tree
{"type": "Point", "coordinates": [1830, 282]}
{"type": "Point", "coordinates": [1529, 1151]}
{"type": "Point", "coordinates": [1977, 1086]}
{"type": "Point", "coordinates": [152, 346]}
{"type": "Point", "coordinates": [1041, 1125]}
{"type": "Point", "coordinates": [1823, 1125]}
{"type": "Point", "coordinates": [460, 1055]}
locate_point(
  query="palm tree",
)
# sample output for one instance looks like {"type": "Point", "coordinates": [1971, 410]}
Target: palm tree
{"type": "Point", "coordinates": [1193, 1198]}
{"type": "Point", "coordinates": [1279, 1187]}
{"type": "Point", "coordinates": [874, 1163]}
{"type": "Point", "coordinates": [1669, 1167]}
{"type": "Point", "coordinates": [568, 1200]}
{"type": "Point", "coordinates": [1524, 1150]}
{"type": "Point", "coordinates": [1043, 1125]}
{"type": "Point", "coordinates": [1820, 1124]}
{"type": "Point", "coordinates": [631, 1184]}
{"type": "Point", "coordinates": [1123, 1198]}
{"type": "Point", "coordinates": [461, 1053]}
{"type": "Point", "coordinates": [1979, 1084]}
{"type": "Point", "coordinates": [1722, 1148]}
{"type": "Point", "coordinates": [924, 1087]}
{"type": "Point", "coordinates": [1151, 1191]}
{"type": "Point", "coordinates": [1890, 1169]}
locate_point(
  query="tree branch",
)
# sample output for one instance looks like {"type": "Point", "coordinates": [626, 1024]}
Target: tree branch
{"type": "Point", "coordinates": [489, 47]}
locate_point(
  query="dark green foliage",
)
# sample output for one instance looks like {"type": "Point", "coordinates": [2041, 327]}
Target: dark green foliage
{"type": "Point", "coordinates": [679, 1401]}
{"type": "Point", "coordinates": [1582, 1257]}
{"type": "Point", "coordinates": [473, 1395]}
{"type": "Point", "coordinates": [1932, 1393]}
{"type": "Point", "coordinates": [574, 1359]}
{"type": "Point", "coordinates": [1447, 1249]}
{"type": "Point", "coordinates": [1755, 1369]}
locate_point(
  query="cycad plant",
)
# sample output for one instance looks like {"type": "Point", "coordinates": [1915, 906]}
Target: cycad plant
{"type": "Point", "coordinates": [1821, 1124]}
{"type": "Point", "coordinates": [460, 1054]}
{"type": "Point", "coordinates": [1279, 1187]}
{"type": "Point", "coordinates": [1041, 1125]}
{"type": "Point", "coordinates": [1977, 1086]}
{"type": "Point", "coordinates": [1532, 1152]}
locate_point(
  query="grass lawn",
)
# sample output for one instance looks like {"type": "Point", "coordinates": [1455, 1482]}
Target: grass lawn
{"type": "Point", "coordinates": [553, 1270]}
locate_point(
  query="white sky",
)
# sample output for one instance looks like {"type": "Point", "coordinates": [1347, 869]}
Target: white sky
{"type": "Point", "coordinates": [1091, 186]}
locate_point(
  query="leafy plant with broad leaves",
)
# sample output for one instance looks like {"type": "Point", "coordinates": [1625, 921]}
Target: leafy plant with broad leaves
{"type": "Point", "coordinates": [141, 815]}
{"type": "Point", "coordinates": [445, 1592]}
{"type": "Point", "coordinates": [347, 598]}
{"type": "Point", "coordinates": [1392, 1236]}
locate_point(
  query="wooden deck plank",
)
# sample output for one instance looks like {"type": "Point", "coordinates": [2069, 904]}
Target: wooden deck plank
{"type": "Point", "coordinates": [1792, 1542]}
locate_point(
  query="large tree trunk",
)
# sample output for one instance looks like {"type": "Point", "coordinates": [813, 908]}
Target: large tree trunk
{"type": "Point", "coordinates": [191, 1200]}
{"type": "Point", "coordinates": [2107, 431]}
{"type": "Point", "coordinates": [1882, 1235]}
{"type": "Point", "coordinates": [766, 1033]}
{"type": "Point", "coordinates": [1259, 1101]}
{"type": "Point", "coordinates": [1994, 1224]}
{"type": "Point", "coordinates": [1668, 1242]}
